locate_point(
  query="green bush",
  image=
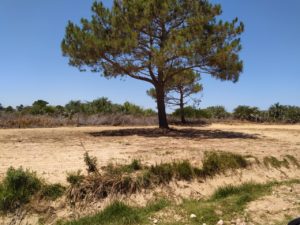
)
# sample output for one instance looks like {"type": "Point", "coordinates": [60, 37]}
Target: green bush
{"type": "Point", "coordinates": [217, 112]}
{"type": "Point", "coordinates": [17, 188]}
{"type": "Point", "coordinates": [219, 162]}
{"type": "Point", "coordinates": [53, 191]}
{"type": "Point", "coordinates": [164, 172]}
{"type": "Point", "coordinates": [184, 170]}
{"type": "Point", "coordinates": [244, 112]}
{"type": "Point", "coordinates": [91, 163]}
{"type": "Point", "coordinates": [75, 178]}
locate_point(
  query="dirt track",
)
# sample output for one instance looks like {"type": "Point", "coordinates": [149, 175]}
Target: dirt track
{"type": "Point", "coordinates": [54, 151]}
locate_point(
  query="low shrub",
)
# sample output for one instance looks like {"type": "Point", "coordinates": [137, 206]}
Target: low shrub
{"type": "Point", "coordinates": [163, 172]}
{"type": "Point", "coordinates": [112, 169]}
{"type": "Point", "coordinates": [219, 162]}
{"type": "Point", "coordinates": [184, 170]}
{"type": "Point", "coordinates": [17, 188]}
{"type": "Point", "coordinates": [229, 190]}
{"type": "Point", "coordinates": [293, 160]}
{"type": "Point", "coordinates": [52, 191]}
{"type": "Point", "coordinates": [75, 178]}
{"type": "Point", "coordinates": [271, 161]}
{"type": "Point", "coordinates": [91, 163]}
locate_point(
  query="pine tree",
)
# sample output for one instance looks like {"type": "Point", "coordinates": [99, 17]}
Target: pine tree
{"type": "Point", "coordinates": [154, 40]}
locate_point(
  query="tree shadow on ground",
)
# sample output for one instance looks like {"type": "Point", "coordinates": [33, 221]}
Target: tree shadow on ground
{"type": "Point", "coordinates": [174, 133]}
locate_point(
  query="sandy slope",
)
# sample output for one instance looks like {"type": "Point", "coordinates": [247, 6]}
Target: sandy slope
{"type": "Point", "coordinates": [54, 151]}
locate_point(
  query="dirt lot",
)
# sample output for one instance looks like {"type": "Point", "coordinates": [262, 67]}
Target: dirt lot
{"type": "Point", "coordinates": [54, 151]}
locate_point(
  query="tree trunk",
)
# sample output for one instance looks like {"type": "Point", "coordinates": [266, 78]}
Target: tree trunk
{"type": "Point", "coordinates": [162, 116]}
{"type": "Point", "coordinates": [181, 103]}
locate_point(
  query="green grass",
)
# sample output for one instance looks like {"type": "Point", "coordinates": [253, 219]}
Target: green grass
{"type": "Point", "coordinates": [134, 166]}
{"type": "Point", "coordinates": [272, 161]}
{"type": "Point", "coordinates": [184, 170]}
{"type": "Point", "coordinates": [219, 162]}
{"type": "Point", "coordinates": [293, 160]}
{"type": "Point", "coordinates": [230, 200]}
{"type": "Point", "coordinates": [75, 178]}
{"type": "Point", "coordinates": [17, 188]}
{"type": "Point", "coordinates": [119, 213]}
{"type": "Point", "coordinates": [52, 191]}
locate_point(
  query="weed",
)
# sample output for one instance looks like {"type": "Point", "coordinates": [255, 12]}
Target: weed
{"type": "Point", "coordinates": [119, 213]}
{"type": "Point", "coordinates": [220, 162]}
{"type": "Point", "coordinates": [91, 163]}
{"type": "Point", "coordinates": [163, 172]}
{"type": "Point", "coordinates": [17, 188]}
{"type": "Point", "coordinates": [183, 170]}
{"type": "Point", "coordinates": [144, 180]}
{"type": "Point", "coordinates": [229, 190]}
{"type": "Point", "coordinates": [53, 191]}
{"type": "Point", "coordinates": [293, 160]}
{"type": "Point", "coordinates": [75, 178]}
{"type": "Point", "coordinates": [135, 165]}
{"type": "Point", "coordinates": [272, 161]}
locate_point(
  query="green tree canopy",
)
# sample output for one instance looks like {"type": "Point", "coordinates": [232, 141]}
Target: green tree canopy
{"type": "Point", "coordinates": [154, 40]}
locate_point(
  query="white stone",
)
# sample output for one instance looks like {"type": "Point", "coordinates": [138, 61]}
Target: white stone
{"type": "Point", "coordinates": [155, 221]}
{"type": "Point", "coordinates": [193, 216]}
{"type": "Point", "coordinates": [221, 222]}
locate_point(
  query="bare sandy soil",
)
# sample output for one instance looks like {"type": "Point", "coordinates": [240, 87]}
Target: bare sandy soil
{"type": "Point", "coordinates": [54, 151]}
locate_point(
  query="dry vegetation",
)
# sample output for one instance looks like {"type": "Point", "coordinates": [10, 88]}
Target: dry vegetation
{"type": "Point", "coordinates": [185, 166]}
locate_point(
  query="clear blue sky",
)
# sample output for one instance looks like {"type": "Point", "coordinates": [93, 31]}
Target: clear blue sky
{"type": "Point", "coordinates": [32, 66]}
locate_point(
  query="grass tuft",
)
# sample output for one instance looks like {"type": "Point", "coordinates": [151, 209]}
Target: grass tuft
{"type": "Point", "coordinates": [52, 191]}
{"type": "Point", "coordinates": [75, 178]}
{"type": "Point", "coordinates": [183, 170]}
{"type": "Point", "coordinates": [293, 160]}
{"type": "Point", "coordinates": [17, 188]}
{"type": "Point", "coordinates": [230, 190]}
{"type": "Point", "coordinates": [91, 163]}
{"type": "Point", "coordinates": [134, 166]}
{"type": "Point", "coordinates": [219, 162]}
{"type": "Point", "coordinates": [271, 161]}
{"type": "Point", "coordinates": [163, 172]}
{"type": "Point", "coordinates": [119, 213]}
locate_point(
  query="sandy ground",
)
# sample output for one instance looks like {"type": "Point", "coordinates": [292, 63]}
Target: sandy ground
{"type": "Point", "coordinates": [54, 151]}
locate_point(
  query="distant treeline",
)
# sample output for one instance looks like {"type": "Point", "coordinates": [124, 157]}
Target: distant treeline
{"type": "Point", "coordinates": [103, 112]}
{"type": "Point", "coordinates": [276, 113]}
{"type": "Point", "coordinates": [98, 106]}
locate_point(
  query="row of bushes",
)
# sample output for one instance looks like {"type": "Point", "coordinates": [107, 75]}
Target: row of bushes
{"type": "Point", "coordinates": [275, 113]}
{"type": "Point", "coordinates": [20, 186]}
{"type": "Point", "coordinates": [103, 106]}
{"type": "Point", "coordinates": [98, 106]}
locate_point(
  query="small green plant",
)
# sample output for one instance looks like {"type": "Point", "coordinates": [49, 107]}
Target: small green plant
{"type": "Point", "coordinates": [17, 188]}
{"type": "Point", "coordinates": [116, 213]}
{"type": "Point", "coordinates": [75, 178]}
{"type": "Point", "coordinates": [135, 165]}
{"type": "Point", "coordinates": [91, 163]}
{"type": "Point", "coordinates": [112, 169]}
{"type": "Point", "coordinates": [52, 191]}
{"type": "Point", "coordinates": [271, 161]}
{"type": "Point", "coordinates": [293, 160]}
{"type": "Point", "coordinates": [230, 190]}
{"type": "Point", "coordinates": [183, 170]}
{"type": "Point", "coordinates": [219, 162]}
{"type": "Point", "coordinates": [144, 180]}
{"type": "Point", "coordinates": [164, 172]}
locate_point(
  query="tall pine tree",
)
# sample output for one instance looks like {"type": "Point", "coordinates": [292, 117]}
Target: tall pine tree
{"type": "Point", "coordinates": [154, 40]}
